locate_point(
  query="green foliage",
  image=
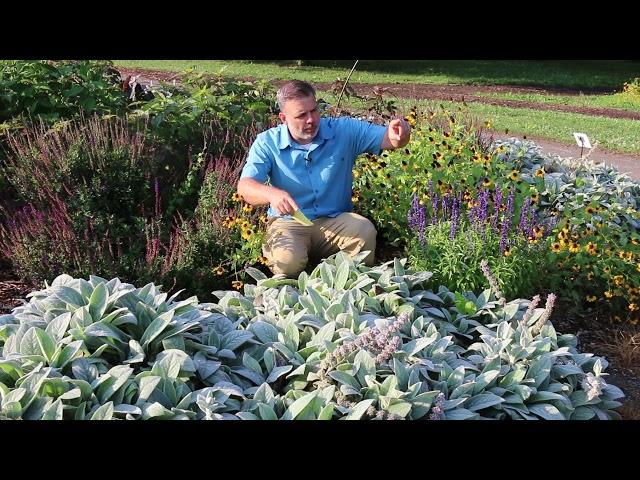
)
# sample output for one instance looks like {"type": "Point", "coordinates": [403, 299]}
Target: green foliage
{"type": "Point", "coordinates": [346, 341]}
{"type": "Point", "coordinates": [456, 262]}
{"type": "Point", "coordinates": [595, 246]}
{"type": "Point", "coordinates": [53, 90]}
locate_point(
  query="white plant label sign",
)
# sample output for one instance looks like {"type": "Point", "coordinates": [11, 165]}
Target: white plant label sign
{"type": "Point", "coordinates": [582, 140]}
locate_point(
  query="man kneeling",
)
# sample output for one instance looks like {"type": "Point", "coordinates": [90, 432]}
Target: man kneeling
{"type": "Point", "coordinates": [308, 162]}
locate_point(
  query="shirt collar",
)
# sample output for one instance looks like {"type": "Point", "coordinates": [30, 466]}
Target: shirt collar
{"type": "Point", "coordinates": [325, 132]}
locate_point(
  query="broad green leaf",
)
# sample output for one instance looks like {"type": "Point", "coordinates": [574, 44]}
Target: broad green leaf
{"type": "Point", "coordinates": [277, 372]}
{"type": "Point", "coordinates": [98, 301]}
{"type": "Point", "coordinates": [483, 400]}
{"type": "Point", "coordinates": [267, 412]}
{"type": "Point", "coordinates": [360, 409]}
{"type": "Point", "coordinates": [342, 275]}
{"type": "Point", "coordinates": [265, 332]}
{"type": "Point", "coordinates": [156, 327]}
{"type": "Point", "coordinates": [54, 412]}
{"type": "Point", "coordinates": [105, 412]}
{"type": "Point", "coordinates": [460, 414]}
{"type": "Point", "coordinates": [327, 412]}
{"type": "Point", "coordinates": [46, 343]}
{"type": "Point", "coordinates": [546, 411]}
{"type": "Point", "coordinates": [298, 407]}
{"type": "Point", "coordinates": [58, 326]}
{"type": "Point", "coordinates": [68, 354]}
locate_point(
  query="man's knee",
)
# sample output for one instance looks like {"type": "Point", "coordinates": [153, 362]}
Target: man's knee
{"type": "Point", "coordinates": [287, 263]}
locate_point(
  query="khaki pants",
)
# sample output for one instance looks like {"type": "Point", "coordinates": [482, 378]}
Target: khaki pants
{"type": "Point", "coordinates": [289, 245]}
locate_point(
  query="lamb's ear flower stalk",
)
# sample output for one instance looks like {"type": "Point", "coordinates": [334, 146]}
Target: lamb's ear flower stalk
{"type": "Point", "coordinates": [493, 282]}
{"type": "Point", "coordinates": [548, 308]}
{"type": "Point", "coordinates": [530, 309]}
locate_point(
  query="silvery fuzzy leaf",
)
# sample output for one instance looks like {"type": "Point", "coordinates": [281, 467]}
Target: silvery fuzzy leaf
{"type": "Point", "coordinates": [151, 410]}
{"type": "Point", "coordinates": [345, 378]}
{"type": "Point", "coordinates": [399, 407]}
{"type": "Point", "coordinates": [298, 407]}
{"type": "Point", "coordinates": [136, 353]}
{"type": "Point", "coordinates": [29, 344]}
{"type": "Point", "coordinates": [291, 337]}
{"type": "Point", "coordinates": [546, 411]}
{"type": "Point", "coordinates": [46, 343]}
{"type": "Point", "coordinates": [62, 279]}
{"type": "Point", "coordinates": [319, 303]}
{"type": "Point", "coordinates": [34, 412]}
{"type": "Point", "coordinates": [510, 311]}
{"type": "Point", "coordinates": [415, 346]}
{"type": "Point", "coordinates": [105, 412]}
{"type": "Point", "coordinates": [451, 404]}
{"type": "Point", "coordinates": [156, 327]}
{"type": "Point", "coordinates": [100, 329]}
{"type": "Point", "coordinates": [562, 371]}
{"type": "Point", "coordinates": [266, 412]}
{"type": "Point", "coordinates": [544, 396]}
{"type": "Point", "coordinates": [582, 413]}
{"type": "Point", "coordinates": [147, 385]}
{"type": "Point", "coordinates": [124, 408]}
{"type": "Point", "coordinates": [82, 369]}
{"type": "Point", "coordinates": [264, 394]}
{"type": "Point", "coordinates": [342, 275]}
{"type": "Point", "coordinates": [58, 326]}
{"type": "Point", "coordinates": [485, 379]}
{"type": "Point", "coordinates": [70, 296]}
{"type": "Point", "coordinates": [298, 371]}
{"type": "Point", "coordinates": [13, 396]}
{"type": "Point", "coordinates": [111, 382]}
{"type": "Point", "coordinates": [359, 409]}
{"type": "Point", "coordinates": [247, 416]}
{"type": "Point", "coordinates": [235, 338]}
{"type": "Point", "coordinates": [169, 363]}
{"type": "Point", "coordinates": [265, 331]}
{"type": "Point", "coordinates": [456, 378]}
{"type": "Point", "coordinates": [251, 363]}
{"type": "Point", "coordinates": [226, 353]}
{"type": "Point", "coordinates": [54, 411]}
{"type": "Point", "coordinates": [327, 411]}
{"type": "Point", "coordinates": [460, 414]}
{"type": "Point", "coordinates": [325, 333]}
{"type": "Point", "coordinates": [466, 389]}
{"type": "Point", "coordinates": [277, 372]}
{"type": "Point", "coordinates": [256, 378]}
{"type": "Point", "coordinates": [611, 392]}
{"type": "Point", "coordinates": [540, 369]}
{"type": "Point", "coordinates": [483, 400]}
{"type": "Point", "coordinates": [98, 301]}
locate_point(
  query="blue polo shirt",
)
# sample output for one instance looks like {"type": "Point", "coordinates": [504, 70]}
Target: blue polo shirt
{"type": "Point", "coordinates": [319, 179]}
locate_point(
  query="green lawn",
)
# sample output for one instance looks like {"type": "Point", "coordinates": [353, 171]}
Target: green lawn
{"type": "Point", "coordinates": [607, 75]}
{"type": "Point", "coordinates": [618, 100]}
{"type": "Point", "coordinates": [614, 134]}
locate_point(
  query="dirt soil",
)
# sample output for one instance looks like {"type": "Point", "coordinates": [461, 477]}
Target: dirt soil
{"type": "Point", "coordinates": [624, 367]}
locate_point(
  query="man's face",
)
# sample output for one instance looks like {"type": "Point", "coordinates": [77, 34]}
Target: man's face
{"type": "Point", "coordinates": [302, 118]}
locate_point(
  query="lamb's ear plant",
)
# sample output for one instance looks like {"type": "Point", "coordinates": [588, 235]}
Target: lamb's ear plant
{"type": "Point", "coordinates": [346, 341]}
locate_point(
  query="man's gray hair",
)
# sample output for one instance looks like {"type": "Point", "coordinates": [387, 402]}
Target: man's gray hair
{"type": "Point", "coordinates": [294, 89]}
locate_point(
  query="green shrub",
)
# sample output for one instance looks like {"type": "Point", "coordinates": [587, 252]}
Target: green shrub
{"type": "Point", "coordinates": [54, 90]}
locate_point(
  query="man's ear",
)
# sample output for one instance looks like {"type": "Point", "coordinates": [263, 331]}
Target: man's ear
{"type": "Point", "coordinates": [282, 117]}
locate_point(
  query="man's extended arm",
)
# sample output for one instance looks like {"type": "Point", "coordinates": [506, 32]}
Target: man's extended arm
{"type": "Point", "coordinates": [257, 193]}
{"type": "Point", "coordinates": [397, 134]}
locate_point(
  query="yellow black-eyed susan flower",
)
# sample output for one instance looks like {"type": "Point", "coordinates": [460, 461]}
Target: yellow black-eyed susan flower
{"type": "Point", "coordinates": [236, 197]}
{"type": "Point", "coordinates": [514, 175]}
{"type": "Point", "coordinates": [237, 284]}
{"type": "Point", "coordinates": [608, 293]}
{"type": "Point", "coordinates": [591, 298]}
{"type": "Point", "coordinates": [633, 307]}
{"type": "Point", "coordinates": [219, 270]}
{"type": "Point", "coordinates": [539, 172]}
